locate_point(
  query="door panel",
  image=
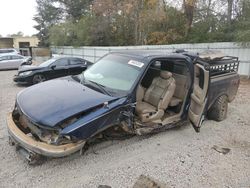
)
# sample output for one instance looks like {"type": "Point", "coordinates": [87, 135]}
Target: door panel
{"type": "Point", "coordinates": [199, 96]}
{"type": "Point", "coordinates": [5, 62]}
{"type": "Point", "coordinates": [15, 63]}
{"type": "Point", "coordinates": [60, 71]}
{"type": "Point", "coordinates": [76, 69]}
{"type": "Point", "coordinates": [61, 68]}
{"type": "Point", "coordinates": [76, 66]}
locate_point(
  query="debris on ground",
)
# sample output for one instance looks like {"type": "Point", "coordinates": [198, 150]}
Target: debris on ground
{"type": "Point", "coordinates": [104, 186]}
{"type": "Point", "coordinates": [147, 182]}
{"type": "Point", "coordinates": [221, 150]}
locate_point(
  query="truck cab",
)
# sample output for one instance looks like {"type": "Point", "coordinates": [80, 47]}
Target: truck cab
{"type": "Point", "coordinates": [197, 87]}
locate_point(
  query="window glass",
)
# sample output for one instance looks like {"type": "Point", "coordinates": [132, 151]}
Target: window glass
{"type": "Point", "coordinates": [167, 65]}
{"type": "Point", "coordinates": [153, 71]}
{"type": "Point", "coordinates": [177, 66]}
{"type": "Point", "coordinates": [180, 68]}
{"type": "Point", "coordinates": [4, 58]}
{"type": "Point", "coordinates": [61, 62]}
{"type": "Point", "coordinates": [47, 63]}
{"type": "Point", "coordinates": [6, 51]}
{"type": "Point", "coordinates": [156, 65]}
{"type": "Point", "coordinates": [16, 57]}
{"type": "Point", "coordinates": [115, 72]}
{"type": "Point", "coordinates": [76, 61]}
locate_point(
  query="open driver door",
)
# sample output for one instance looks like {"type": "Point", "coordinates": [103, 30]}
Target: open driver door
{"type": "Point", "coordinates": [199, 96]}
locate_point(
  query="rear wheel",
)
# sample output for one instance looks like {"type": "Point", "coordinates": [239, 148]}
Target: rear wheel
{"type": "Point", "coordinates": [218, 111]}
{"type": "Point", "coordinates": [38, 78]}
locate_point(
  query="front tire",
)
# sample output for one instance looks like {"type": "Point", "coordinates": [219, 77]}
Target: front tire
{"type": "Point", "coordinates": [38, 78]}
{"type": "Point", "coordinates": [218, 111]}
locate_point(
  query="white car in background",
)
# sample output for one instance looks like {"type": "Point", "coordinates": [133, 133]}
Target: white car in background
{"type": "Point", "coordinates": [13, 61]}
{"type": "Point", "coordinates": [9, 51]}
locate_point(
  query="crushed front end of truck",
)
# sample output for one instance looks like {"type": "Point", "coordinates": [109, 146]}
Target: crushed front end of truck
{"type": "Point", "coordinates": [33, 141]}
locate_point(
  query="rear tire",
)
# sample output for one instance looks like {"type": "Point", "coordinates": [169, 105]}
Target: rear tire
{"type": "Point", "coordinates": [218, 111]}
{"type": "Point", "coordinates": [38, 78]}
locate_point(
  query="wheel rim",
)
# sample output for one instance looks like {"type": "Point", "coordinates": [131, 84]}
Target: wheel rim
{"type": "Point", "coordinates": [38, 78]}
{"type": "Point", "coordinates": [223, 109]}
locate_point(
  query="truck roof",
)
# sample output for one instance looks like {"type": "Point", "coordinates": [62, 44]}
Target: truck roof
{"type": "Point", "coordinates": [150, 54]}
{"type": "Point", "coordinates": [210, 57]}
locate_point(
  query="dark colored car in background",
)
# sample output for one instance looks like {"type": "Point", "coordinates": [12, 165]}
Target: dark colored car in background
{"type": "Point", "coordinates": [53, 68]}
{"type": "Point", "coordinates": [13, 61]}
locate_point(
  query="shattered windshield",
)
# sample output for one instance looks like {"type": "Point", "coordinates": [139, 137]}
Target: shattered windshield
{"type": "Point", "coordinates": [114, 72]}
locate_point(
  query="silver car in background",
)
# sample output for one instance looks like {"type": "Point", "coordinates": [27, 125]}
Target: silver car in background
{"type": "Point", "coordinates": [13, 61]}
{"type": "Point", "coordinates": [12, 51]}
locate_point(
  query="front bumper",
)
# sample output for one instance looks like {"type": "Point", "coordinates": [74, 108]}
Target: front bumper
{"type": "Point", "coordinates": [37, 147]}
{"type": "Point", "coordinates": [22, 79]}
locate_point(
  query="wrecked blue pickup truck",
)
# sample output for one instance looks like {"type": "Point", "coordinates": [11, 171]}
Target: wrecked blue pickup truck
{"type": "Point", "coordinates": [139, 92]}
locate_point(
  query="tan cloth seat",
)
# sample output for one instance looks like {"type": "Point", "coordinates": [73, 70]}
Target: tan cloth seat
{"type": "Point", "coordinates": [144, 107]}
{"type": "Point", "coordinates": [151, 103]}
{"type": "Point", "coordinates": [182, 86]}
{"type": "Point", "coordinates": [174, 101]}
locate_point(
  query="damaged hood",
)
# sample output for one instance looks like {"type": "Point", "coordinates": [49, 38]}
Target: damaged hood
{"type": "Point", "coordinates": [28, 68]}
{"type": "Point", "coordinates": [52, 102]}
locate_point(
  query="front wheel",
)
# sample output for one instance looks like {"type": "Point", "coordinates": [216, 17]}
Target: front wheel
{"type": "Point", "coordinates": [38, 78]}
{"type": "Point", "coordinates": [218, 111]}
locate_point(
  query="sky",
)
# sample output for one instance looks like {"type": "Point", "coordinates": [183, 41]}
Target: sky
{"type": "Point", "coordinates": [16, 15]}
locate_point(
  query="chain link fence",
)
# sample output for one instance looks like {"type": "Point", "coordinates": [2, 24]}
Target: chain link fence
{"type": "Point", "coordinates": [228, 48]}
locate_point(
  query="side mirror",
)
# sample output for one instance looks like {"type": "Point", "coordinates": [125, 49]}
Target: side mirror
{"type": "Point", "coordinates": [53, 67]}
{"type": "Point", "coordinates": [28, 61]}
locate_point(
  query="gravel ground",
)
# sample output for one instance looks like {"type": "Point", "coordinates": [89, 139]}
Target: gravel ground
{"type": "Point", "coordinates": [178, 157]}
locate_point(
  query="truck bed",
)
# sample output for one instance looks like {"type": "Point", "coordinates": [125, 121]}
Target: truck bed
{"type": "Point", "coordinates": [224, 79]}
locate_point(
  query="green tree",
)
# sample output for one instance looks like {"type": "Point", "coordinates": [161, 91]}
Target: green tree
{"type": "Point", "coordinates": [129, 22]}
{"type": "Point", "coordinates": [75, 9]}
{"type": "Point", "coordinates": [113, 22]}
{"type": "Point", "coordinates": [47, 15]}
{"type": "Point", "coordinates": [243, 33]}
{"type": "Point", "coordinates": [72, 34]}
{"type": "Point", "coordinates": [228, 24]}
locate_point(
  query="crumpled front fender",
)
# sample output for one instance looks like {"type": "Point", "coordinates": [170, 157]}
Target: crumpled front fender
{"type": "Point", "coordinates": [96, 121]}
{"type": "Point", "coordinates": [30, 144]}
